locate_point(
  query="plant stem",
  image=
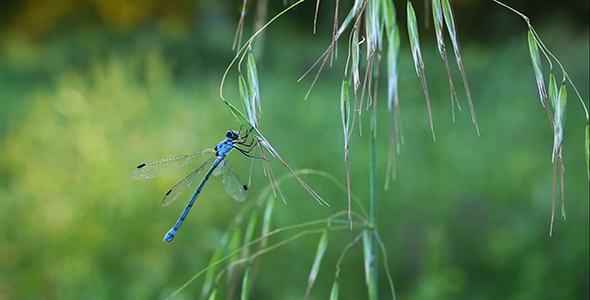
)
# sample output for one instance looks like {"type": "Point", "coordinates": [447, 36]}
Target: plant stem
{"type": "Point", "coordinates": [373, 206]}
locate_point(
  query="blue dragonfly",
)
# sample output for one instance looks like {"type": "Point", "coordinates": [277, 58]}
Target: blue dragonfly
{"type": "Point", "coordinates": [232, 183]}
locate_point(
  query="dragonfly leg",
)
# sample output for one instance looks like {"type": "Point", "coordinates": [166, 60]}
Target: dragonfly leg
{"type": "Point", "coordinates": [245, 136]}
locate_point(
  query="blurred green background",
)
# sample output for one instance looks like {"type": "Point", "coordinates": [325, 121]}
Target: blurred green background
{"type": "Point", "coordinates": [90, 89]}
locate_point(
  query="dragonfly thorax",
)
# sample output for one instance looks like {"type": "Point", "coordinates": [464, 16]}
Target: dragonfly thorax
{"type": "Point", "coordinates": [223, 148]}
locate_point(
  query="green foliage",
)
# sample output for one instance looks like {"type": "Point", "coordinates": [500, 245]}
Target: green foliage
{"type": "Point", "coordinates": [466, 217]}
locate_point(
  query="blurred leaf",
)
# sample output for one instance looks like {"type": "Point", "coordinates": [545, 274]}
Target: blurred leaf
{"type": "Point", "coordinates": [211, 272]}
{"type": "Point", "coordinates": [320, 251]}
{"type": "Point", "coordinates": [234, 245]}
{"type": "Point", "coordinates": [396, 138]}
{"type": "Point", "coordinates": [250, 228]}
{"type": "Point", "coordinates": [246, 284]}
{"type": "Point", "coordinates": [334, 291]}
{"type": "Point", "coordinates": [587, 137]}
{"type": "Point", "coordinates": [213, 295]}
{"type": "Point", "coordinates": [268, 210]}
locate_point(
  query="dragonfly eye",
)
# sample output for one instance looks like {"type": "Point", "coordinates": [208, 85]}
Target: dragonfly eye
{"type": "Point", "coordinates": [232, 135]}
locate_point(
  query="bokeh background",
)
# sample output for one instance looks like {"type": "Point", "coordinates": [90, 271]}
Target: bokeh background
{"type": "Point", "coordinates": [89, 89]}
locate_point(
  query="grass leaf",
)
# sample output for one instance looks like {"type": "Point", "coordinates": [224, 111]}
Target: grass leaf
{"type": "Point", "coordinates": [246, 284]}
{"type": "Point", "coordinates": [213, 295]}
{"type": "Point", "coordinates": [210, 275]}
{"type": "Point", "coordinates": [587, 138]}
{"type": "Point", "coordinates": [537, 67]}
{"type": "Point", "coordinates": [345, 112]}
{"type": "Point", "coordinates": [234, 245]}
{"type": "Point", "coordinates": [449, 21]}
{"type": "Point", "coordinates": [437, 16]}
{"type": "Point", "coordinates": [552, 90]}
{"type": "Point", "coordinates": [417, 55]}
{"type": "Point", "coordinates": [559, 119]}
{"type": "Point", "coordinates": [334, 291]}
{"type": "Point", "coordinates": [253, 222]}
{"type": "Point", "coordinates": [320, 251]}
{"type": "Point", "coordinates": [254, 105]}
{"type": "Point", "coordinates": [393, 50]}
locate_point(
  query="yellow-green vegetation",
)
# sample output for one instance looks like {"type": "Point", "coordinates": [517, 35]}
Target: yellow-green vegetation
{"type": "Point", "coordinates": [467, 216]}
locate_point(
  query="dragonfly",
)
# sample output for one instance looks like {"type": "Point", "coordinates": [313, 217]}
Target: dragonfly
{"type": "Point", "coordinates": [234, 186]}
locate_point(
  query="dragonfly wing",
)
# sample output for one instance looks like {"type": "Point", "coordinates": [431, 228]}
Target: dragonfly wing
{"type": "Point", "coordinates": [163, 166]}
{"type": "Point", "coordinates": [180, 187]}
{"type": "Point", "coordinates": [234, 186]}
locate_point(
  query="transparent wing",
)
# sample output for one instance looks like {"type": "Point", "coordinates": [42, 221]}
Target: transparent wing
{"type": "Point", "coordinates": [163, 166]}
{"type": "Point", "coordinates": [234, 186]}
{"type": "Point", "coordinates": [180, 187]}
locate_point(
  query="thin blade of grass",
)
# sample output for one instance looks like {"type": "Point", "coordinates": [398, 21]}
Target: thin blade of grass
{"type": "Point", "coordinates": [320, 251]}
{"type": "Point", "coordinates": [386, 266]}
{"type": "Point", "coordinates": [246, 284]}
{"type": "Point", "coordinates": [249, 43]}
{"type": "Point", "coordinates": [374, 26]}
{"type": "Point", "coordinates": [417, 55]}
{"type": "Point", "coordinates": [437, 20]}
{"type": "Point", "coordinates": [234, 245]}
{"type": "Point", "coordinates": [268, 210]}
{"type": "Point", "coordinates": [560, 113]}
{"type": "Point", "coordinates": [334, 291]}
{"type": "Point", "coordinates": [254, 104]}
{"type": "Point", "coordinates": [449, 21]}
{"type": "Point", "coordinates": [213, 295]}
{"type": "Point", "coordinates": [355, 61]}
{"type": "Point", "coordinates": [355, 13]}
{"type": "Point", "coordinates": [252, 223]}
{"type": "Point", "coordinates": [335, 285]}
{"type": "Point", "coordinates": [210, 275]}
{"type": "Point", "coordinates": [345, 113]}
{"type": "Point", "coordinates": [553, 92]}
{"type": "Point", "coordinates": [315, 15]}
{"type": "Point", "coordinates": [537, 67]}
{"type": "Point", "coordinates": [393, 50]}
{"type": "Point", "coordinates": [587, 146]}
{"type": "Point", "coordinates": [244, 94]}
{"type": "Point", "coordinates": [345, 109]}
{"type": "Point", "coordinates": [240, 29]}
{"type": "Point", "coordinates": [261, 16]}
{"type": "Point", "coordinates": [437, 16]}
{"type": "Point", "coordinates": [560, 106]}
{"type": "Point", "coordinates": [352, 14]}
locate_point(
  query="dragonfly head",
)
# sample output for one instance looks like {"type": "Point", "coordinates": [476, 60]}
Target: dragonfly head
{"type": "Point", "coordinates": [232, 134]}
